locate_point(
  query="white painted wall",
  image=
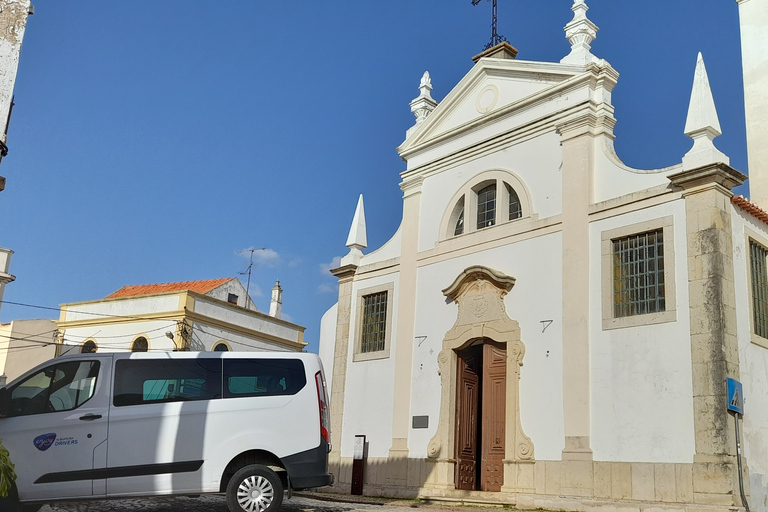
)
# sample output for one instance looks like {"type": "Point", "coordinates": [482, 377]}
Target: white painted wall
{"type": "Point", "coordinates": [369, 393]}
{"type": "Point", "coordinates": [753, 364]}
{"type": "Point", "coordinates": [327, 348]}
{"type": "Point", "coordinates": [248, 319]}
{"type": "Point", "coordinates": [134, 306]}
{"type": "Point", "coordinates": [614, 179]}
{"type": "Point", "coordinates": [388, 251]}
{"type": "Point", "coordinates": [641, 380]}
{"type": "Point", "coordinates": [537, 296]}
{"type": "Point", "coordinates": [233, 286]}
{"type": "Point", "coordinates": [753, 20]}
{"type": "Point", "coordinates": [205, 336]}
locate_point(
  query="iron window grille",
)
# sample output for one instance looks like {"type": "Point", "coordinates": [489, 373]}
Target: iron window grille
{"type": "Point", "coordinates": [758, 256]}
{"type": "Point", "coordinates": [374, 333]}
{"type": "Point", "coordinates": [638, 274]}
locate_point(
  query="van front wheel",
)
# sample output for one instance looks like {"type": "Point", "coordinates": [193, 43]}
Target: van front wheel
{"type": "Point", "coordinates": [254, 489]}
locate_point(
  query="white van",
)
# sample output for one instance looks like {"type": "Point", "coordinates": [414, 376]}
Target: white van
{"type": "Point", "coordinates": [250, 425]}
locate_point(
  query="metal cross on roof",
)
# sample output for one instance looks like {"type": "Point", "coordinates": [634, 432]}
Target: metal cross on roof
{"type": "Point", "coordinates": [495, 37]}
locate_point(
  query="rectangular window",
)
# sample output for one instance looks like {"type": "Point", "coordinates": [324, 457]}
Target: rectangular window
{"type": "Point", "coordinates": [374, 333]}
{"type": "Point", "coordinates": [638, 274]}
{"type": "Point", "coordinates": [166, 380]}
{"type": "Point", "coordinates": [263, 377]}
{"type": "Point", "coordinates": [758, 256]}
{"type": "Point", "coordinates": [232, 298]}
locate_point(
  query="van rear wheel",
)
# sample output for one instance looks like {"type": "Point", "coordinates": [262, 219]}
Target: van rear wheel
{"type": "Point", "coordinates": [254, 488]}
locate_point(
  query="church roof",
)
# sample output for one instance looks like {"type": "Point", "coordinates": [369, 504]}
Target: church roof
{"type": "Point", "coordinates": [134, 290]}
{"type": "Point", "coordinates": [751, 208]}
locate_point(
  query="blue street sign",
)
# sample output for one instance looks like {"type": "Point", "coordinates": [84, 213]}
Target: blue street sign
{"type": "Point", "coordinates": [735, 397]}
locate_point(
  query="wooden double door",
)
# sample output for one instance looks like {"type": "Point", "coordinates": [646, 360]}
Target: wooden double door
{"type": "Point", "coordinates": [480, 416]}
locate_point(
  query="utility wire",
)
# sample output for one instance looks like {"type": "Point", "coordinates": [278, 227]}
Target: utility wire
{"type": "Point", "coordinates": [76, 311]}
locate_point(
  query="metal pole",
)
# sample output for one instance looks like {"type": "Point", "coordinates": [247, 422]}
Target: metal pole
{"type": "Point", "coordinates": [738, 458]}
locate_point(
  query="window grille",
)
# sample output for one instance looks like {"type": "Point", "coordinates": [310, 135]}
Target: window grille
{"type": "Point", "coordinates": [374, 322]}
{"type": "Point", "coordinates": [638, 274]}
{"type": "Point", "coordinates": [758, 255]}
{"type": "Point", "coordinates": [486, 207]}
{"type": "Point", "coordinates": [515, 210]}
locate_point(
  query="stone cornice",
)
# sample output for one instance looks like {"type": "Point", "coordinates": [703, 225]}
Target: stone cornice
{"type": "Point", "coordinates": [596, 121]}
{"type": "Point", "coordinates": [6, 278]}
{"type": "Point", "coordinates": [713, 174]}
{"type": "Point", "coordinates": [345, 272]}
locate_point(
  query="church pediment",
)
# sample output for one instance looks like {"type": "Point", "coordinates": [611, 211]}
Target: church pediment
{"type": "Point", "coordinates": [492, 87]}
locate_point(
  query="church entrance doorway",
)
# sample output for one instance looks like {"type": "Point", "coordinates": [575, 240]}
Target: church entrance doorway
{"type": "Point", "coordinates": [480, 416]}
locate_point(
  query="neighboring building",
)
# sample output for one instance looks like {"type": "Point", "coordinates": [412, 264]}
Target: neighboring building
{"type": "Point", "coordinates": [13, 22]}
{"type": "Point", "coordinates": [215, 314]}
{"type": "Point", "coordinates": [549, 327]}
{"type": "Point", "coordinates": [23, 345]}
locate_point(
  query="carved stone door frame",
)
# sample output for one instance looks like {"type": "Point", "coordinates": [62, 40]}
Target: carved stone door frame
{"type": "Point", "coordinates": [479, 292]}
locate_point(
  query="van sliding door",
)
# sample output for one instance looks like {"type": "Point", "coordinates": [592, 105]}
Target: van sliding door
{"type": "Point", "coordinates": [157, 423]}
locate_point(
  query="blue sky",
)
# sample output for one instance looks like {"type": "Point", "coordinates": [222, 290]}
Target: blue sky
{"type": "Point", "coordinates": [152, 141]}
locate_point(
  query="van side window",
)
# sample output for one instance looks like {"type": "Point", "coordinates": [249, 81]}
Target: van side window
{"type": "Point", "coordinates": [263, 377]}
{"type": "Point", "coordinates": [151, 381]}
{"type": "Point", "coordinates": [61, 387]}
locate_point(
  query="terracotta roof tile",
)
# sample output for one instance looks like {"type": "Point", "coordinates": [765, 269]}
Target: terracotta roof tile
{"type": "Point", "coordinates": [751, 208]}
{"type": "Point", "coordinates": [146, 289]}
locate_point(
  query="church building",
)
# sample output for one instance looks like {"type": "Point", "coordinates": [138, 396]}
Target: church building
{"type": "Point", "coordinates": [550, 327]}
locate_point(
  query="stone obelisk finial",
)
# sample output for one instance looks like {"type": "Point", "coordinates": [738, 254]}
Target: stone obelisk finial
{"type": "Point", "coordinates": [580, 32]}
{"type": "Point", "coordinates": [702, 123]}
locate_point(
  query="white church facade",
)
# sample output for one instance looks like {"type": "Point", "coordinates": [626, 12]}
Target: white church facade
{"type": "Point", "coordinates": [549, 327]}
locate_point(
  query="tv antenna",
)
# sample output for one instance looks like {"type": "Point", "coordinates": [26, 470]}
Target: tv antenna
{"type": "Point", "coordinates": [495, 37]}
{"type": "Point", "coordinates": [250, 268]}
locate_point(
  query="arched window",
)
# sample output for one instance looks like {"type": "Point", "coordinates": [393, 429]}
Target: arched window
{"type": "Point", "coordinates": [89, 347]}
{"type": "Point", "coordinates": [221, 347]}
{"type": "Point", "coordinates": [491, 198]}
{"type": "Point", "coordinates": [140, 344]}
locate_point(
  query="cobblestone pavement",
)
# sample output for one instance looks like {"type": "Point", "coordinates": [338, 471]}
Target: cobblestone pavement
{"type": "Point", "coordinates": [216, 503]}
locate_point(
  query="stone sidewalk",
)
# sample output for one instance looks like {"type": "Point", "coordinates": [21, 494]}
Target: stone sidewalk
{"type": "Point", "coordinates": [303, 502]}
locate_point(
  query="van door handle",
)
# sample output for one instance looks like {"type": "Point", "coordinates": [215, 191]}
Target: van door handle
{"type": "Point", "coordinates": [90, 417]}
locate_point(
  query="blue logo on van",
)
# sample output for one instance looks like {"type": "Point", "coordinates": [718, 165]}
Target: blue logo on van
{"type": "Point", "coordinates": [44, 441]}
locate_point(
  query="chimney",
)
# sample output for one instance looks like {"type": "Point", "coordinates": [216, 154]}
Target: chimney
{"type": "Point", "coordinates": [276, 304]}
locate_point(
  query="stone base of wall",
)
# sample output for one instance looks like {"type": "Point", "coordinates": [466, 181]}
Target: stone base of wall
{"type": "Point", "coordinates": [560, 485]}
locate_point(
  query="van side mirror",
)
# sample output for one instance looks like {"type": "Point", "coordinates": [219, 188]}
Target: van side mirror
{"type": "Point", "coordinates": [3, 402]}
